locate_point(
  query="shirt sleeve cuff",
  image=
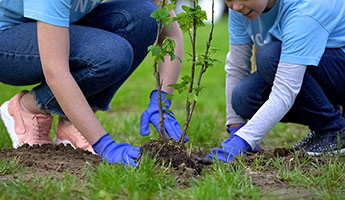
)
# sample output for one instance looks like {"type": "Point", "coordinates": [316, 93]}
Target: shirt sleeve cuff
{"type": "Point", "coordinates": [248, 139]}
{"type": "Point", "coordinates": [47, 19]}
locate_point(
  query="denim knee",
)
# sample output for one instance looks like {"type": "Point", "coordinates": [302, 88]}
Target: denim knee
{"type": "Point", "coordinates": [267, 60]}
{"type": "Point", "coordinates": [249, 95]}
{"type": "Point", "coordinates": [113, 68]}
{"type": "Point", "coordinates": [150, 25]}
{"type": "Point", "coordinates": [239, 102]}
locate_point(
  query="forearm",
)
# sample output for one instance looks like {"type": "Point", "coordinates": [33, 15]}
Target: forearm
{"type": "Point", "coordinates": [54, 52]}
{"type": "Point", "coordinates": [237, 67]}
{"type": "Point", "coordinates": [286, 86]}
{"type": "Point", "coordinates": [170, 70]}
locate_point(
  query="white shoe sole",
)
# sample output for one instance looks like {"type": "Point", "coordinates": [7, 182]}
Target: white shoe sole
{"type": "Point", "coordinates": [9, 124]}
{"type": "Point", "coordinates": [57, 141]}
{"type": "Point", "coordinates": [341, 151]}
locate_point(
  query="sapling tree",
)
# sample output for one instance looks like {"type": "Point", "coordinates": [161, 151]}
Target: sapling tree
{"type": "Point", "coordinates": [190, 20]}
{"type": "Point", "coordinates": [159, 50]}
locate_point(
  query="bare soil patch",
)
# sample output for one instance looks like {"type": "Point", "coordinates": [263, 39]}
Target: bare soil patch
{"type": "Point", "coordinates": [49, 159]}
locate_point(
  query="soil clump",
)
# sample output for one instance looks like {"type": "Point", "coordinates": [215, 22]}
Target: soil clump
{"type": "Point", "coordinates": [187, 164]}
{"type": "Point", "coordinates": [170, 153]}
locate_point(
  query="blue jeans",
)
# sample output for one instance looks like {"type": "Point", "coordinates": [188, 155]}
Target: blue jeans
{"type": "Point", "coordinates": [106, 46]}
{"type": "Point", "coordinates": [316, 105]}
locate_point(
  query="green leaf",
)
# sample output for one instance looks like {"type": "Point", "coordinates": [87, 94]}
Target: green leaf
{"type": "Point", "coordinates": [180, 87]}
{"type": "Point", "coordinates": [187, 78]}
{"type": "Point", "coordinates": [155, 50]}
{"type": "Point", "coordinates": [171, 6]}
{"type": "Point", "coordinates": [198, 89]}
{"type": "Point", "coordinates": [169, 96]}
{"type": "Point", "coordinates": [192, 97]}
{"type": "Point", "coordinates": [162, 15]}
{"type": "Point", "coordinates": [175, 85]}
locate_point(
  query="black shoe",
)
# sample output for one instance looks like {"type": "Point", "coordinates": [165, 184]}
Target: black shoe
{"type": "Point", "coordinates": [333, 142]}
{"type": "Point", "coordinates": [302, 143]}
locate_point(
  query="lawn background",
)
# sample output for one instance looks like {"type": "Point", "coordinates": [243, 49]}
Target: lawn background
{"type": "Point", "coordinates": [207, 130]}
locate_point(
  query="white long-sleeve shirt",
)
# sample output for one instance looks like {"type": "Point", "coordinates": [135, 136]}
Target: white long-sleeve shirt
{"type": "Point", "coordinates": [287, 84]}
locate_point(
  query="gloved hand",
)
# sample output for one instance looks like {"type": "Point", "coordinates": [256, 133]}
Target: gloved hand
{"type": "Point", "coordinates": [109, 151]}
{"type": "Point", "coordinates": [151, 115]}
{"type": "Point", "coordinates": [232, 132]}
{"type": "Point", "coordinates": [229, 150]}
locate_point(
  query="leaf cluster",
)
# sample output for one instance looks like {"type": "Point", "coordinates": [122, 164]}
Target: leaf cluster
{"type": "Point", "coordinates": [160, 51]}
{"type": "Point", "coordinates": [202, 60]}
{"type": "Point", "coordinates": [190, 18]}
{"type": "Point", "coordinates": [162, 14]}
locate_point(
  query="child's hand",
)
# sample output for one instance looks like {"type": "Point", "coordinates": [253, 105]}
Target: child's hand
{"type": "Point", "coordinates": [111, 152]}
{"type": "Point", "coordinates": [232, 131]}
{"type": "Point", "coordinates": [230, 150]}
{"type": "Point", "coordinates": [151, 115]}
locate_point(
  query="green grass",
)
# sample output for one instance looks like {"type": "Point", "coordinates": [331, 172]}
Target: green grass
{"type": "Point", "coordinates": [223, 182]}
{"type": "Point", "coordinates": [10, 166]}
{"type": "Point", "coordinates": [207, 130]}
{"type": "Point", "coordinates": [146, 182]}
{"type": "Point", "coordinates": [43, 188]}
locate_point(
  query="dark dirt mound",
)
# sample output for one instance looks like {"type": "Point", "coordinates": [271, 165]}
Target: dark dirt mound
{"type": "Point", "coordinates": [173, 154]}
{"type": "Point", "coordinates": [49, 159]}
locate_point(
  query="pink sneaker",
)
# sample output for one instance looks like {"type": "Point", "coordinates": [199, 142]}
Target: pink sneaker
{"type": "Point", "coordinates": [23, 126]}
{"type": "Point", "coordinates": [67, 133]}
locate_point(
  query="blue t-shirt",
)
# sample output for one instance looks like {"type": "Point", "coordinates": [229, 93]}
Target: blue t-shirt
{"type": "Point", "coordinates": [305, 27]}
{"type": "Point", "coordinates": [55, 12]}
{"type": "Point", "coordinates": [243, 31]}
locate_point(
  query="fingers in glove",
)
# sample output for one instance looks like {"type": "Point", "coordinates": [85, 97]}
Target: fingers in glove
{"type": "Point", "coordinates": [144, 124]}
{"type": "Point", "coordinates": [178, 131]}
{"type": "Point", "coordinates": [186, 139]}
{"type": "Point", "coordinates": [134, 153]}
{"type": "Point", "coordinates": [126, 158]}
{"type": "Point", "coordinates": [219, 154]}
{"type": "Point", "coordinates": [170, 129]}
{"type": "Point", "coordinates": [156, 124]}
{"type": "Point", "coordinates": [165, 129]}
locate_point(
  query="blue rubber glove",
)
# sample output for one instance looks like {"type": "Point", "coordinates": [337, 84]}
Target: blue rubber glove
{"type": "Point", "coordinates": [229, 150]}
{"type": "Point", "coordinates": [122, 153]}
{"type": "Point", "coordinates": [151, 115]}
{"type": "Point", "coordinates": [232, 132]}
